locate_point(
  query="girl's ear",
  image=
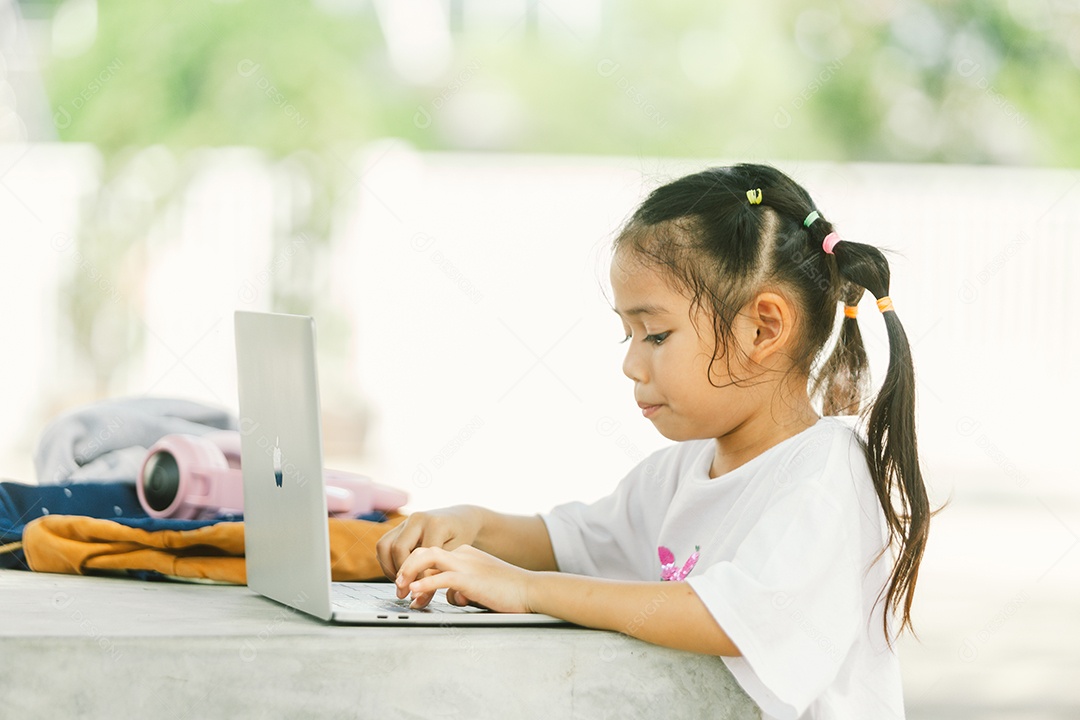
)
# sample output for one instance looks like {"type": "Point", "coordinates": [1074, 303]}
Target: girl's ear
{"type": "Point", "coordinates": [772, 318]}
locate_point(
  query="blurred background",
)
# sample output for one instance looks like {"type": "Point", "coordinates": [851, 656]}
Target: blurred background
{"type": "Point", "coordinates": [438, 183]}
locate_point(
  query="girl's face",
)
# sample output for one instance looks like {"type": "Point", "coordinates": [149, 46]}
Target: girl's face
{"type": "Point", "coordinates": [669, 352]}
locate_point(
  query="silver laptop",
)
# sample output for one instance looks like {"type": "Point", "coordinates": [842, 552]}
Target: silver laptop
{"type": "Point", "coordinates": [286, 532]}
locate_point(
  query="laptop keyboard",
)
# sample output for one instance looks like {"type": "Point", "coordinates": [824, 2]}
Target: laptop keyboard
{"type": "Point", "coordinates": [351, 596]}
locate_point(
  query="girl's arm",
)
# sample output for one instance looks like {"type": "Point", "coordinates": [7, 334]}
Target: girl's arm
{"type": "Point", "coordinates": [662, 613]}
{"type": "Point", "coordinates": [518, 539]}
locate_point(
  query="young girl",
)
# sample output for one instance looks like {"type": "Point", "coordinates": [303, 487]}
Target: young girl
{"type": "Point", "coordinates": [762, 534]}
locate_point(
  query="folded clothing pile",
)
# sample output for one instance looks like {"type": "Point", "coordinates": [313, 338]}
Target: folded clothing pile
{"type": "Point", "coordinates": [85, 516]}
{"type": "Point", "coordinates": [85, 528]}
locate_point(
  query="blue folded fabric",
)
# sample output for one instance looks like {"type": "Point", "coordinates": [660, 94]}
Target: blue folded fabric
{"type": "Point", "coordinates": [20, 503]}
{"type": "Point", "coordinates": [117, 501]}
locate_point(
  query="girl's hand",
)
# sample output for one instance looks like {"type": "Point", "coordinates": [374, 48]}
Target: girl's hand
{"type": "Point", "coordinates": [447, 528]}
{"type": "Point", "coordinates": [470, 576]}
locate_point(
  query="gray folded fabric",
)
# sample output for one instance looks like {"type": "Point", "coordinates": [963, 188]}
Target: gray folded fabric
{"type": "Point", "coordinates": [107, 441]}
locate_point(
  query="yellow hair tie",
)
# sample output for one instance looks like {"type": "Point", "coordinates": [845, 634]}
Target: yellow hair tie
{"type": "Point", "coordinates": [885, 304]}
{"type": "Point", "coordinates": [754, 196]}
{"type": "Point", "coordinates": [851, 311]}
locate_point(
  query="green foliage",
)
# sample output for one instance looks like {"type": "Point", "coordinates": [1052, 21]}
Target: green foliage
{"type": "Point", "coordinates": [857, 81]}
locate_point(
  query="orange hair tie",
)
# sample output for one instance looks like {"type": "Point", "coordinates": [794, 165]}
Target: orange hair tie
{"type": "Point", "coordinates": [851, 311]}
{"type": "Point", "coordinates": [885, 304]}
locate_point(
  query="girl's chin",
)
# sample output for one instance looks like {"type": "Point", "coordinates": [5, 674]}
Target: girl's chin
{"type": "Point", "coordinates": [677, 432]}
{"type": "Point", "coordinates": [672, 431]}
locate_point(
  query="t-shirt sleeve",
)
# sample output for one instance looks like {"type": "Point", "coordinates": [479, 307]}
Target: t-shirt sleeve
{"type": "Point", "coordinates": [611, 537]}
{"type": "Point", "coordinates": [791, 596]}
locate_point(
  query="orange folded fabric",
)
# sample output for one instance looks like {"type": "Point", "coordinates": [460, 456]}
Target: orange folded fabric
{"type": "Point", "coordinates": [79, 545]}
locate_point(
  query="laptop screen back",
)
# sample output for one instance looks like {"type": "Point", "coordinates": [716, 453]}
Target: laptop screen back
{"type": "Point", "coordinates": [285, 514]}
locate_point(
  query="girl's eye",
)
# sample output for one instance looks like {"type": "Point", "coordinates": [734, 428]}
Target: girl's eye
{"type": "Point", "coordinates": [657, 339]}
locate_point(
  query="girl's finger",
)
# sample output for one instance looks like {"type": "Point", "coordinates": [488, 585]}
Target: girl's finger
{"type": "Point", "coordinates": [460, 599]}
{"type": "Point", "coordinates": [421, 600]}
{"type": "Point", "coordinates": [454, 597]}
{"type": "Point", "coordinates": [403, 545]}
{"type": "Point", "coordinates": [419, 561]}
{"type": "Point", "coordinates": [385, 551]}
{"type": "Point", "coordinates": [434, 582]}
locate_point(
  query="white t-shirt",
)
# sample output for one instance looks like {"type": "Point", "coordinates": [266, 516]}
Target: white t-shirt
{"type": "Point", "coordinates": [786, 549]}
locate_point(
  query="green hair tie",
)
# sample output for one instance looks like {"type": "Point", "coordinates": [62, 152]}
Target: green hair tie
{"type": "Point", "coordinates": [811, 218]}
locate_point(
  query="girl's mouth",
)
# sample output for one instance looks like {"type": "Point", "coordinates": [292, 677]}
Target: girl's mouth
{"type": "Point", "coordinates": [649, 410]}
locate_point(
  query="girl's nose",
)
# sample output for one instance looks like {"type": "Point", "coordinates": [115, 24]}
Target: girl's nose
{"type": "Point", "coordinates": [633, 366]}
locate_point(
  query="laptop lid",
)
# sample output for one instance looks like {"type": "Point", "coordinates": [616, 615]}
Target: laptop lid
{"type": "Point", "coordinates": [286, 532]}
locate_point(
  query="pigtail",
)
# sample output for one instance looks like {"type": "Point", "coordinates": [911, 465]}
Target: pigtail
{"type": "Point", "coordinates": [891, 449]}
{"type": "Point", "coordinates": [843, 382]}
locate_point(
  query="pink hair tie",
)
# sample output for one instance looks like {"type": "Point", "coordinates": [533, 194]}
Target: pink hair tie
{"type": "Point", "coordinates": [830, 242]}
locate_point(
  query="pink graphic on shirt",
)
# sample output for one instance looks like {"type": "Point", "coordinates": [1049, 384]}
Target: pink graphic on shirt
{"type": "Point", "coordinates": [667, 564]}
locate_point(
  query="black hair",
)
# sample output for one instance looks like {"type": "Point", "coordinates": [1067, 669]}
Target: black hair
{"type": "Point", "coordinates": [720, 249]}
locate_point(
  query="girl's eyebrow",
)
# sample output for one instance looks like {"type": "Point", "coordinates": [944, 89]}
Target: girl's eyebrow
{"type": "Point", "coordinates": [646, 309]}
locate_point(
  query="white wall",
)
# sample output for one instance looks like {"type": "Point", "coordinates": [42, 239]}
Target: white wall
{"type": "Point", "coordinates": [466, 266]}
{"type": "Point", "coordinates": [479, 333]}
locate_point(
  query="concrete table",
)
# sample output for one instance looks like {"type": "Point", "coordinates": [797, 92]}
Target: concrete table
{"type": "Point", "coordinates": [108, 647]}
